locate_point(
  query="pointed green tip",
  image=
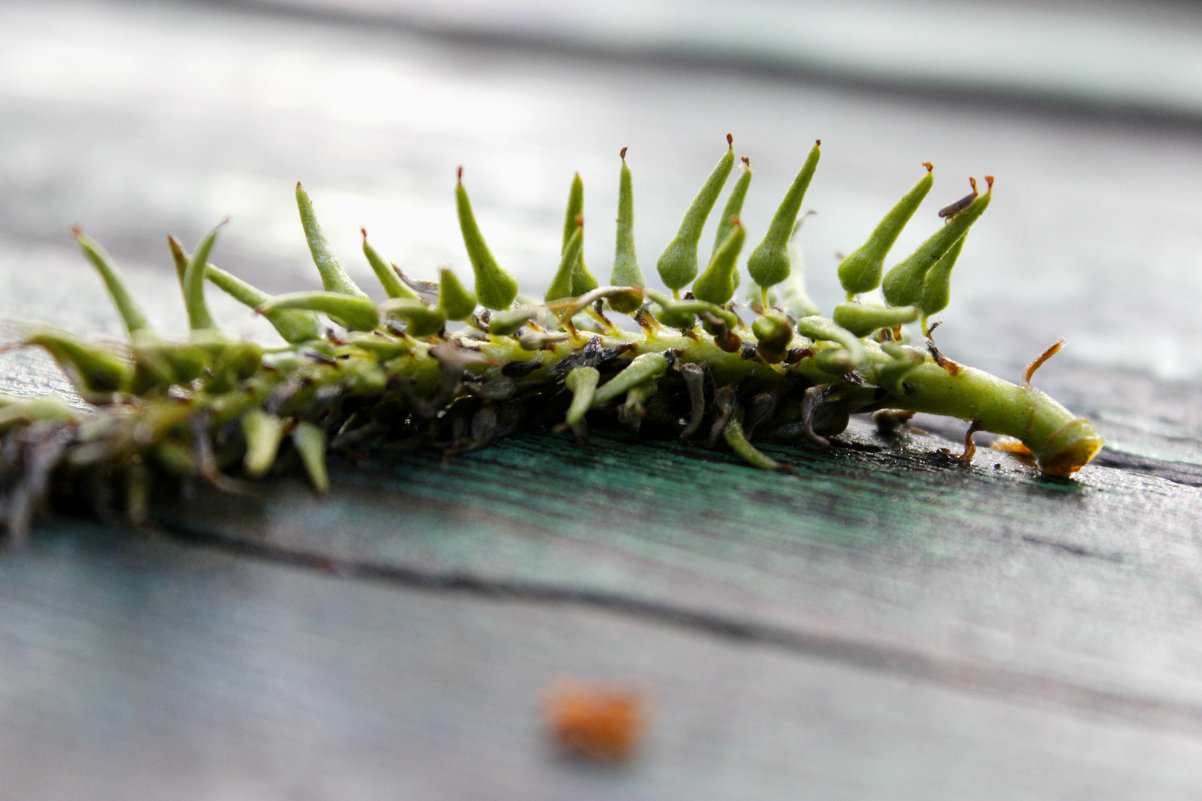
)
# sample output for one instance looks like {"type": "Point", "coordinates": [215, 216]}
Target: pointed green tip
{"type": "Point", "coordinates": [456, 302]}
{"type": "Point", "coordinates": [495, 288]}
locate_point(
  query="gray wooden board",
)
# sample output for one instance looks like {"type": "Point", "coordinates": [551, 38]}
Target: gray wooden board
{"type": "Point", "coordinates": [881, 625]}
{"type": "Point", "coordinates": [136, 668]}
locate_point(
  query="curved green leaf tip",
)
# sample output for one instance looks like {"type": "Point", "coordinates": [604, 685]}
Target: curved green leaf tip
{"type": "Point", "coordinates": [862, 269]}
{"type": "Point", "coordinates": [495, 288]}
{"type": "Point", "coordinates": [678, 264]}
{"type": "Point", "coordinates": [768, 264]}
{"type": "Point", "coordinates": [626, 270]}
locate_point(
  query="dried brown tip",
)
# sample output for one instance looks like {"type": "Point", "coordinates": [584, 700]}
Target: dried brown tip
{"type": "Point", "coordinates": [973, 181]}
{"type": "Point", "coordinates": [989, 181]}
{"type": "Point", "coordinates": [622, 153]}
{"type": "Point", "coordinates": [930, 167]}
{"type": "Point", "coordinates": [76, 231]}
{"type": "Point", "coordinates": [730, 140]}
{"type": "Point", "coordinates": [1043, 357]}
{"type": "Point", "coordinates": [734, 220]}
{"type": "Point", "coordinates": [818, 142]}
{"type": "Point", "coordinates": [364, 232]}
{"type": "Point", "coordinates": [580, 220]}
{"type": "Point", "coordinates": [746, 162]}
{"type": "Point", "coordinates": [298, 184]}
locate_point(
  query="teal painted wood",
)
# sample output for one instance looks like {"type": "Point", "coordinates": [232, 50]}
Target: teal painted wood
{"type": "Point", "coordinates": [134, 667]}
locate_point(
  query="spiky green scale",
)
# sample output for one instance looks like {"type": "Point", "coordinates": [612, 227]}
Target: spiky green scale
{"type": "Point", "coordinates": [678, 264]}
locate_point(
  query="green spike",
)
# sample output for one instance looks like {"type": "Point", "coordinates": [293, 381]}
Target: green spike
{"type": "Point", "coordinates": [561, 284]}
{"type": "Point", "coordinates": [582, 383]}
{"type": "Point", "coordinates": [861, 270]}
{"type": "Point", "coordinates": [199, 318]}
{"type": "Point", "coordinates": [310, 442]}
{"type": "Point", "coordinates": [582, 280]}
{"type": "Point", "coordinates": [626, 270]}
{"type": "Point", "coordinates": [263, 433]}
{"type": "Point", "coordinates": [863, 318]}
{"type": "Point", "coordinates": [768, 264]}
{"type": "Point", "coordinates": [420, 320]}
{"type": "Point", "coordinates": [717, 283]}
{"type": "Point", "coordinates": [130, 313]}
{"type": "Point", "coordinates": [333, 277]}
{"type": "Point", "coordinates": [495, 288]}
{"type": "Point", "coordinates": [734, 207]}
{"type": "Point", "coordinates": [678, 264]}
{"type": "Point", "coordinates": [936, 284]}
{"type": "Point", "coordinates": [456, 302]}
{"type": "Point", "coordinates": [354, 312]}
{"type": "Point", "coordinates": [394, 287]}
{"type": "Point", "coordinates": [643, 367]}
{"type": "Point", "coordinates": [903, 284]}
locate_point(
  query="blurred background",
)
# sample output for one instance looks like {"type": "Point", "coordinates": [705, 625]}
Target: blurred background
{"type": "Point", "coordinates": [136, 119]}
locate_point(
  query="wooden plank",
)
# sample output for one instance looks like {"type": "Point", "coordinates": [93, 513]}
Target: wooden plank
{"type": "Point", "coordinates": [137, 668]}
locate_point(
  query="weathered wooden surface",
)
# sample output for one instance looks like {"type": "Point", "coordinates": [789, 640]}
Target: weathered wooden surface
{"type": "Point", "coordinates": [883, 624]}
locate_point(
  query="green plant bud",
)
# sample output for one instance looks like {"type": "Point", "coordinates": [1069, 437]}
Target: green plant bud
{"type": "Point", "coordinates": [835, 361]}
{"type": "Point", "coordinates": [643, 367]}
{"type": "Point", "coordinates": [394, 287]}
{"type": "Point", "coordinates": [310, 443]}
{"type": "Point", "coordinates": [199, 318]}
{"type": "Point", "coordinates": [826, 329]}
{"type": "Point", "coordinates": [456, 302]}
{"type": "Point", "coordinates": [420, 320]}
{"type": "Point", "coordinates": [96, 374]}
{"type": "Point", "coordinates": [131, 314]}
{"type": "Point", "coordinates": [495, 288]}
{"type": "Point", "coordinates": [904, 359]}
{"type": "Point", "coordinates": [355, 312]}
{"type": "Point", "coordinates": [561, 284]}
{"type": "Point", "coordinates": [333, 277]}
{"type": "Point", "coordinates": [582, 383]}
{"type": "Point", "coordinates": [381, 348]}
{"type": "Point", "coordinates": [768, 264]}
{"type": "Point", "coordinates": [263, 433]}
{"type": "Point", "coordinates": [678, 264]}
{"type": "Point", "coordinates": [773, 334]}
{"type": "Point", "coordinates": [231, 363]}
{"type": "Point", "coordinates": [717, 283]}
{"type": "Point", "coordinates": [508, 322]}
{"type": "Point", "coordinates": [861, 270]}
{"type": "Point", "coordinates": [863, 318]}
{"type": "Point", "coordinates": [626, 270]}
{"type": "Point", "coordinates": [903, 284]}
{"type": "Point", "coordinates": [937, 283]}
